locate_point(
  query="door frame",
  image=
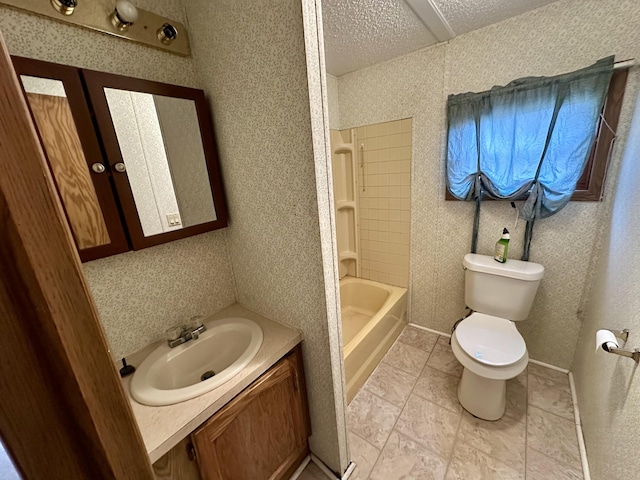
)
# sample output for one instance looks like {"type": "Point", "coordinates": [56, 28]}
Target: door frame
{"type": "Point", "coordinates": [63, 412]}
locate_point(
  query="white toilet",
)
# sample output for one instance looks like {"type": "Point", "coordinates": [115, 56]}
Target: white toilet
{"type": "Point", "coordinates": [487, 343]}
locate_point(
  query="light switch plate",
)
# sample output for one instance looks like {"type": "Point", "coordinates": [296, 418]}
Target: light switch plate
{"type": "Point", "coordinates": [173, 219]}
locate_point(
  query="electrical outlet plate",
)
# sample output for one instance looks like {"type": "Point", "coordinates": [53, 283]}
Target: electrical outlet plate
{"type": "Point", "coordinates": [96, 15]}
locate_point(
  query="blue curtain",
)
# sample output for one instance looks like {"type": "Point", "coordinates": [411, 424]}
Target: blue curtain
{"type": "Point", "coordinates": [532, 136]}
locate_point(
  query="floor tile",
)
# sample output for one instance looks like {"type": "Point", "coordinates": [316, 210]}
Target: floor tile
{"type": "Point", "coordinates": [429, 424]}
{"type": "Point", "coordinates": [403, 458]}
{"type": "Point", "coordinates": [440, 388]}
{"type": "Point", "coordinates": [406, 358]}
{"type": "Point", "coordinates": [552, 395]}
{"type": "Point", "coordinates": [545, 372]}
{"type": "Point", "coordinates": [520, 379]}
{"type": "Point", "coordinates": [469, 463]}
{"type": "Point", "coordinates": [391, 383]}
{"type": "Point", "coordinates": [553, 436]}
{"type": "Point", "coordinates": [541, 467]}
{"type": "Point", "coordinates": [312, 472]}
{"type": "Point", "coordinates": [371, 417]}
{"type": "Point", "coordinates": [516, 407]}
{"type": "Point", "coordinates": [407, 423]}
{"type": "Point", "coordinates": [364, 455]}
{"type": "Point", "coordinates": [504, 439]}
{"type": "Point", "coordinates": [418, 338]}
{"type": "Point", "coordinates": [442, 359]}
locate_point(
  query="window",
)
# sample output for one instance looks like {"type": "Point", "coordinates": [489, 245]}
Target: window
{"type": "Point", "coordinates": [590, 186]}
{"type": "Point", "coordinates": [532, 139]}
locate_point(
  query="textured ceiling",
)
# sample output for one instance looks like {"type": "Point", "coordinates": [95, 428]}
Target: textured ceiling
{"type": "Point", "coordinates": [359, 33]}
{"type": "Point", "coordinates": [466, 15]}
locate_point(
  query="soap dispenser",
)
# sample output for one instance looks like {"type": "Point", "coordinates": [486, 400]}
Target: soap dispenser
{"type": "Point", "coordinates": [502, 246]}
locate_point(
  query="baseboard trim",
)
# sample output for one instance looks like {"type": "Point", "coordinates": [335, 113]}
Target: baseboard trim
{"type": "Point", "coordinates": [320, 464]}
{"type": "Point", "coordinates": [431, 330]}
{"type": "Point", "coordinates": [531, 360]}
{"type": "Point", "coordinates": [548, 365]}
{"type": "Point", "coordinates": [576, 412]}
{"type": "Point", "coordinates": [349, 471]}
{"type": "Point", "coordinates": [300, 468]}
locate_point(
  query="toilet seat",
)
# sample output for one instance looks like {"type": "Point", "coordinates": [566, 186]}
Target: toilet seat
{"type": "Point", "coordinates": [502, 348]}
{"type": "Point", "coordinates": [490, 340]}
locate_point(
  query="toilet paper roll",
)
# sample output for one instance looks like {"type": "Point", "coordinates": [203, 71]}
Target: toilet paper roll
{"type": "Point", "coordinates": [606, 338]}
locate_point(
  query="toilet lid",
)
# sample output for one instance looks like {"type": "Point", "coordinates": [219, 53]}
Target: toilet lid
{"type": "Point", "coordinates": [490, 340]}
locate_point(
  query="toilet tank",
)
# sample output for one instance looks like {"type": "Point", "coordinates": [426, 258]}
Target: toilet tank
{"type": "Point", "coordinates": [503, 290]}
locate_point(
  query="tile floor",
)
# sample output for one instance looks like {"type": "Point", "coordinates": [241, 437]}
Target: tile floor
{"type": "Point", "coordinates": [406, 422]}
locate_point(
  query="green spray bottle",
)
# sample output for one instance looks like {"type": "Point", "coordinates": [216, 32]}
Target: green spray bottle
{"type": "Point", "coordinates": [502, 246]}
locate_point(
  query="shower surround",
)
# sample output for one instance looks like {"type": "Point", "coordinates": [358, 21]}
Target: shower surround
{"type": "Point", "coordinates": [372, 188]}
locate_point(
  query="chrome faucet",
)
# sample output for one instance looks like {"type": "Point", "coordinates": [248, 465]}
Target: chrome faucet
{"type": "Point", "coordinates": [182, 334]}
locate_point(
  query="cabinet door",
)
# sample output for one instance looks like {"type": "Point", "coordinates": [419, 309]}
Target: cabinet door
{"type": "Point", "coordinates": [159, 140]}
{"type": "Point", "coordinates": [262, 433]}
{"type": "Point", "coordinates": [62, 117]}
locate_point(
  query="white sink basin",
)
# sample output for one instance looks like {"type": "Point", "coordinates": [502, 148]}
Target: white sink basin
{"type": "Point", "coordinates": [172, 375]}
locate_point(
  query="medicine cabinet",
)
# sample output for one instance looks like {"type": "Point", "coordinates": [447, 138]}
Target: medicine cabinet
{"type": "Point", "coordinates": [134, 161]}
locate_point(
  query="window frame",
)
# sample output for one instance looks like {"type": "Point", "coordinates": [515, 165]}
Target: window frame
{"type": "Point", "coordinates": [590, 186]}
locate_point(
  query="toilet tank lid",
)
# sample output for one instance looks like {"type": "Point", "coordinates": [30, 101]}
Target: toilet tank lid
{"type": "Point", "coordinates": [528, 271]}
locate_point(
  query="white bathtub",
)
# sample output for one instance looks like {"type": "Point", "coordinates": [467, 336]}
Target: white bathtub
{"type": "Point", "coordinates": [373, 315]}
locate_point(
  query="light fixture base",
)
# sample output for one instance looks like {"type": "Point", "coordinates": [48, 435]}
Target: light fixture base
{"type": "Point", "coordinates": [65, 7]}
{"type": "Point", "coordinates": [117, 22]}
{"type": "Point", "coordinates": [97, 15]}
{"type": "Point", "coordinates": [167, 33]}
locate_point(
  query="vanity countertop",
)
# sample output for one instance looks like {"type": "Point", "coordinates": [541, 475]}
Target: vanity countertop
{"type": "Point", "coordinates": [164, 427]}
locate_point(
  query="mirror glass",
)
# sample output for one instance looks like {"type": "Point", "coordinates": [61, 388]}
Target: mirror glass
{"type": "Point", "coordinates": [161, 146]}
{"type": "Point", "coordinates": [50, 108]}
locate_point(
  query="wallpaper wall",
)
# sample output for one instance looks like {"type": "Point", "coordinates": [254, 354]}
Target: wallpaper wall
{"type": "Point", "coordinates": [138, 294]}
{"type": "Point", "coordinates": [250, 59]}
{"type": "Point", "coordinates": [334, 107]}
{"type": "Point", "coordinates": [608, 395]}
{"type": "Point", "coordinates": [560, 37]}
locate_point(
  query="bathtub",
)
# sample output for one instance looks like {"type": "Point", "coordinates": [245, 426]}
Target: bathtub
{"type": "Point", "coordinates": [373, 315]}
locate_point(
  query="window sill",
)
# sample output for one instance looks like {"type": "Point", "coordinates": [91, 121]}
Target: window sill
{"type": "Point", "coordinates": [578, 196]}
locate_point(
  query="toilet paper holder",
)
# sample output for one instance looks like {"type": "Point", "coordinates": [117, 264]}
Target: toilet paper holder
{"type": "Point", "coordinates": [624, 336]}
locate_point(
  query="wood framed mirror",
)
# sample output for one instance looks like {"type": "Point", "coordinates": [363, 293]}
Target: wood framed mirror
{"type": "Point", "coordinates": [159, 143]}
{"type": "Point", "coordinates": [63, 119]}
{"type": "Point", "coordinates": [134, 161]}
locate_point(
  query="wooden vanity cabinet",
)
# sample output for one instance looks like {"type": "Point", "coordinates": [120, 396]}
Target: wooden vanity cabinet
{"type": "Point", "coordinates": [263, 432]}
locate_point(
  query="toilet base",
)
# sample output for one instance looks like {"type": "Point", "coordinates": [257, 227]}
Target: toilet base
{"type": "Point", "coordinates": [482, 397]}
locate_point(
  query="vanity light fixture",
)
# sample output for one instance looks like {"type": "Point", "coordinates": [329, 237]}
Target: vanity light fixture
{"type": "Point", "coordinates": [120, 18]}
{"type": "Point", "coordinates": [123, 16]}
{"type": "Point", "coordinates": [167, 33]}
{"type": "Point", "coordinates": [65, 7]}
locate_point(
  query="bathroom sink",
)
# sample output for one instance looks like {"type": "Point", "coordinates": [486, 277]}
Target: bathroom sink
{"type": "Point", "coordinates": [172, 375]}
